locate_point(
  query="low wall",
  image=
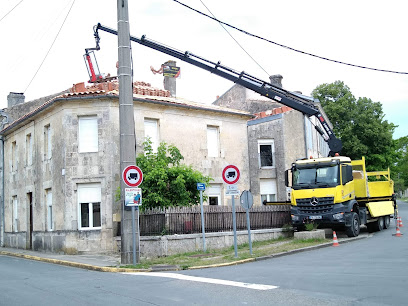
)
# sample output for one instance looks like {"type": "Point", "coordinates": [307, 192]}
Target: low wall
{"type": "Point", "coordinates": [157, 246]}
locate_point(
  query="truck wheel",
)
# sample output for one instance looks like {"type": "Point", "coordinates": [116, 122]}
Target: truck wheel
{"type": "Point", "coordinates": [379, 224]}
{"type": "Point", "coordinates": [386, 222]}
{"type": "Point", "coordinates": [354, 229]}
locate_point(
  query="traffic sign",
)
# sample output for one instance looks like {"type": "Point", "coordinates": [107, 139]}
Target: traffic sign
{"type": "Point", "coordinates": [246, 200]}
{"type": "Point", "coordinates": [132, 176]}
{"type": "Point", "coordinates": [201, 186]}
{"type": "Point", "coordinates": [231, 174]}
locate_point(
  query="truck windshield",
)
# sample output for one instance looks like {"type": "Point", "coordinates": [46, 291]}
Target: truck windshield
{"type": "Point", "coordinates": [317, 177]}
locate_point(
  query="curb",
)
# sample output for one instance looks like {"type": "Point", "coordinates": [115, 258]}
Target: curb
{"type": "Point", "coordinates": [120, 270]}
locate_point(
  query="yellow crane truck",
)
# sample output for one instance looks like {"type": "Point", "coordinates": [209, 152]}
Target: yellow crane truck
{"type": "Point", "coordinates": [339, 193]}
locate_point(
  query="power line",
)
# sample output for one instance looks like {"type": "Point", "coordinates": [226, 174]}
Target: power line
{"type": "Point", "coordinates": [235, 40]}
{"type": "Point", "coordinates": [46, 55]}
{"type": "Point", "coordinates": [11, 10]}
{"type": "Point", "coordinates": [287, 47]}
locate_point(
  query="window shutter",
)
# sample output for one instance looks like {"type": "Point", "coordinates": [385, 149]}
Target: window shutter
{"type": "Point", "coordinates": [88, 134]}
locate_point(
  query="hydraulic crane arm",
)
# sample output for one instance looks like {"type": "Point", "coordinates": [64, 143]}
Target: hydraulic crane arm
{"type": "Point", "coordinates": [248, 81]}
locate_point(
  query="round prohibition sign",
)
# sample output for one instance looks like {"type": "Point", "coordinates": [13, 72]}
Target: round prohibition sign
{"type": "Point", "coordinates": [132, 176]}
{"type": "Point", "coordinates": [231, 174]}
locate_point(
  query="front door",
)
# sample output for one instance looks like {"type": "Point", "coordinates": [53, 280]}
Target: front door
{"type": "Point", "coordinates": [30, 218]}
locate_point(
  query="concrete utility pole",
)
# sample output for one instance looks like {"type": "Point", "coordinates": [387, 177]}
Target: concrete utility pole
{"type": "Point", "coordinates": [126, 123]}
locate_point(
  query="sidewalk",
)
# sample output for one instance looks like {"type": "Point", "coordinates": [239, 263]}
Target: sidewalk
{"type": "Point", "coordinates": [111, 263]}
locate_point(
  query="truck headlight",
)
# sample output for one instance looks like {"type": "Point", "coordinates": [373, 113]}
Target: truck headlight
{"type": "Point", "coordinates": [339, 216]}
{"type": "Point", "coordinates": [295, 218]}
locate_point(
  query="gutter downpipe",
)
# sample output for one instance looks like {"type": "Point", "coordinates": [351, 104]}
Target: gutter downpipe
{"type": "Point", "coordinates": [2, 191]}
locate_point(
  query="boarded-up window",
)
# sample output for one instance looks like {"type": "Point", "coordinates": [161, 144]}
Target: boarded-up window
{"type": "Point", "coordinates": [151, 127]}
{"type": "Point", "coordinates": [88, 134]}
{"type": "Point", "coordinates": [212, 141]}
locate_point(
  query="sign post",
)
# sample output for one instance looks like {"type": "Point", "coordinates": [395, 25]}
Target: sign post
{"type": "Point", "coordinates": [231, 176]}
{"type": "Point", "coordinates": [133, 176]}
{"type": "Point", "coordinates": [201, 188]}
{"type": "Point", "coordinates": [246, 202]}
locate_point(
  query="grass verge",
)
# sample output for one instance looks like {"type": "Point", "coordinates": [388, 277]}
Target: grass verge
{"type": "Point", "coordinates": [227, 255]}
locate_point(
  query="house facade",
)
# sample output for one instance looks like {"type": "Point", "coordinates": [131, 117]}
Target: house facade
{"type": "Point", "coordinates": [277, 136]}
{"type": "Point", "coordinates": [61, 161]}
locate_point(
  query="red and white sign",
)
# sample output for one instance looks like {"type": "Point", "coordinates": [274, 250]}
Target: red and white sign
{"type": "Point", "coordinates": [132, 176]}
{"type": "Point", "coordinates": [231, 174]}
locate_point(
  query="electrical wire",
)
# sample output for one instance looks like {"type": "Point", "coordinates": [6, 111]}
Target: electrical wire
{"type": "Point", "coordinates": [46, 55]}
{"type": "Point", "coordinates": [287, 47]}
{"type": "Point", "coordinates": [11, 10]}
{"type": "Point", "coordinates": [235, 40]}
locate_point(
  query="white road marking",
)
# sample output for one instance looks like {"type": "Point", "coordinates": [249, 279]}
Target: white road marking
{"type": "Point", "coordinates": [205, 280]}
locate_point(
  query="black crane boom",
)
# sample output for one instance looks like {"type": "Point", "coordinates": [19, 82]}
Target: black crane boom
{"type": "Point", "coordinates": [246, 80]}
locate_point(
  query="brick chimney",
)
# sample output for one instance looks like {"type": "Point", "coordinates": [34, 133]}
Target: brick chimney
{"type": "Point", "coordinates": [15, 98]}
{"type": "Point", "coordinates": [169, 82]}
{"type": "Point", "coordinates": [276, 80]}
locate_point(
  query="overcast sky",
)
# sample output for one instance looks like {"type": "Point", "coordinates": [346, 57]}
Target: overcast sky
{"type": "Point", "coordinates": [366, 33]}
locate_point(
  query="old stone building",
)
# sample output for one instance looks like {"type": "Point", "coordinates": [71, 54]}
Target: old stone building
{"type": "Point", "coordinates": [61, 160]}
{"type": "Point", "coordinates": [277, 136]}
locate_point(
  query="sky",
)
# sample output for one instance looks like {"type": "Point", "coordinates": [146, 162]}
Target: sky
{"type": "Point", "coordinates": [366, 33]}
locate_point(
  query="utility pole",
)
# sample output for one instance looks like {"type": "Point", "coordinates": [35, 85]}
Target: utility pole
{"type": "Point", "coordinates": [126, 123]}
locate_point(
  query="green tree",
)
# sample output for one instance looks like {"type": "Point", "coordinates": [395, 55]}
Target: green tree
{"type": "Point", "coordinates": [400, 169]}
{"type": "Point", "coordinates": [167, 182]}
{"type": "Point", "coordinates": [360, 125]}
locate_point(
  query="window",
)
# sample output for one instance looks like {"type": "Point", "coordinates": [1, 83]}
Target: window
{"type": "Point", "coordinates": [15, 213]}
{"type": "Point", "coordinates": [89, 206]}
{"type": "Point", "coordinates": [48, 201]}
{"type": "Point", "coordinates": [214, 194]}
{"type": "Point", "coordinates": [88, 134]}
{"type": "Point", "coordinates": [266, 153]}
{"type": "Point", "coordinates": [47, 142]}
{"type": "Point", "coordinates": [212, 141]}
{"type": "Point", "coordinates": [14, 156]}
{"type": "Point", "coordinates": [267, 190]}
{"type": "Point", "coordinates": [29, 150]}
{"type": "Point", "coordinates": [151, 127]}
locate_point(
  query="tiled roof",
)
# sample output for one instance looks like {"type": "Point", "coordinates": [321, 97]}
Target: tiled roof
{"type": "Point", "coordinates": [141, 91]}
{"type": "Point", "coordinates": [275, 111]}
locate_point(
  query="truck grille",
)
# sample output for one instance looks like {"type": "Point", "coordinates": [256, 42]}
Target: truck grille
{"type": "Point", "coordinates": [315, 206]}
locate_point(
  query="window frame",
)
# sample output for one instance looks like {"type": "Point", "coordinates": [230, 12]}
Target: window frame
{"type": "Point", "coordinates": [14, 156]}
{"type": "Point", "coordinates": [91, 203]}
{"type": "Point", "coordinates": [47, 142]}
{"type": "Point", "coordinates": [50, 213]}
{"type": "Point", "coordinates": [266, 142]}
{"type": "Point", "coordinates": [29, 149]}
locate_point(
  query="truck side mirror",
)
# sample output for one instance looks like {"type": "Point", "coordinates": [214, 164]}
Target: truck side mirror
{"type": "Point", "coordinates": [287, 172]}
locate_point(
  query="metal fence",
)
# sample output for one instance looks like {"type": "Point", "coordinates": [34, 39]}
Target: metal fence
{"type": "Point", "coordinates": [187, 220]}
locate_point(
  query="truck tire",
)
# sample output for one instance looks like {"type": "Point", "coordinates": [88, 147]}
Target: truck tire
{"type": "Point", "coordinates": [386, 222]}
{"type": "Point", "coordinates": [379, 224]}
{"type": "Point", "coordinates": [354, 229]}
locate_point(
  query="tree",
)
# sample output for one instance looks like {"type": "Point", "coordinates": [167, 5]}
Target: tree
{"type": "Point", "coordinates": [360, 125]}
{"type": "Point", "coordinates": [400, 169]}
{"type": "Point", "coordinates": [167, 182]}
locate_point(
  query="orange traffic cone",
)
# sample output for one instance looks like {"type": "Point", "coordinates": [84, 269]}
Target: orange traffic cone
{"type": "Point", "coordinates": [400, 222]}
{"type": "Point", "coordinates": [335, 242]}
{"type": "Point", "coordinates": [398, 234]}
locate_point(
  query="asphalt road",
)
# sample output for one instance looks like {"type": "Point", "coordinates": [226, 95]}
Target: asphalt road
{"type": "Point", "coordinates": [371, 271]}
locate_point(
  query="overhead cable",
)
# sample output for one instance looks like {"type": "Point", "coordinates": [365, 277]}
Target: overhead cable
{"type": "Point", "coordinates": [46, 55]}
{"type": "Point", "coordinates": [287, 47]}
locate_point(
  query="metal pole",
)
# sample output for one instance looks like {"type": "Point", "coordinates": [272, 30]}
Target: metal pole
{"type": "Point", "coordinates": [202, 220]}
{"type": "Point", "coordinates": [126, 120]}
{"type": "Point", "coordinates": [234, 225]}
{"type": "Point", "coordinates": [249, 232]}
{"type": "Point", "coordinates": [133, 236]}
{"type": "Point", "coordinates": [138, 236]}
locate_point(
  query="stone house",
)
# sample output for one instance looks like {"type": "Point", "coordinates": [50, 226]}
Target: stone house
{"type": "Point", "coordinates": [61, 160]}
{"type": "Point", "coordinates": [277, 136]}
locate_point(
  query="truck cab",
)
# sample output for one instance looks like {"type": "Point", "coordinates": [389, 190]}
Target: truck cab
{"type": "Point", "coordinates": [323, 192]}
